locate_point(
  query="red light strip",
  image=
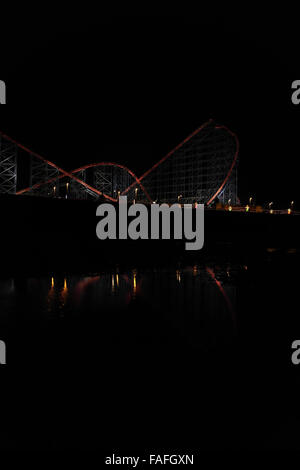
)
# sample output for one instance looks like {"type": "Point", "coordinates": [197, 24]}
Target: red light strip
{"type": "Point", "coordinates": [232, 165]}
{"type": "Point", "coordinates": [221, 289]}
{"type": "Point", "coordinates": [137, 180]}
{"type": "Point", "coordinates": [65, 173]}
{"type": "Point", "coordinates": [91, 165]}
{"type": "Point", "coordinates": [170, 153]}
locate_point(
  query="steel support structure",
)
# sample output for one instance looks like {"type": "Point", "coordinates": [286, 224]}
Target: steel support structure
{"type": "Point", "coordinates": [42, 172]}
{"type": "Point", "coordinates": [8, 166]}
{"type": "Point", "coordinates": [195, 171]}
{"type": "Point", "coordinates": [76, 190]}
{"type": "Point", "coordinates": [202, 169]}
{"type": "Point", "coordinates": [229, 195]}
{"type": "Point", "coordinates": [111, 180]}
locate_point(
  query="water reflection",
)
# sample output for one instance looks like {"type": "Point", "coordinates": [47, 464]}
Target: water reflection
{"type": "Point", "coordinates": [134, 285]}
{"type": "Point", "coordinates": [113, 283]}
{"type": "Point", "coordinates": [64, 294]}
{"type": "Point", "coordinates": [224, 293]}
{"type": "Point", "coordinates": [194, 302]}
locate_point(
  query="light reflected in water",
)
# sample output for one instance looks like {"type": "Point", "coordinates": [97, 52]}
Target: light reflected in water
{"type": "Point", "coordinates": [64, 294]}
{"type": "Point", "coordinates": [51, 295]}
{"type": "Point", "coordinates": [113, 283]}
{"type": "Point", "coordinates": [205, 300]}
{"type": "Point", "coordinates": [134, 284]}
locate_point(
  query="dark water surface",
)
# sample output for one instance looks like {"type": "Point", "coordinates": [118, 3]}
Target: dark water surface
{"type": "Point", "coordinates": [190, 356]}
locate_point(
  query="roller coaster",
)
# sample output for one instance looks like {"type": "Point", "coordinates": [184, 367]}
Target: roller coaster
{"type": "Point", "coordinates": [201, 169]}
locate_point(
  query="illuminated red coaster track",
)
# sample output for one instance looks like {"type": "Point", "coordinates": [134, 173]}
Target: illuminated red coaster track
{"type": "Point", "coordinates": [200, 169]}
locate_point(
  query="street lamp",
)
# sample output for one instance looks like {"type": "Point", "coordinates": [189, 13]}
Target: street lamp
{"type": "Point", "coordinates": [54, 190]}
{"type": "Point", "coordinates": [67, 189]}
{"type": "Point", "coordinates": [250, 200]}
{"type": "Point", "coordinates": [179, 197]}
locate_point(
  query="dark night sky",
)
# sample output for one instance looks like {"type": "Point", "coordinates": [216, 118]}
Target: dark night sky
{"type": "Point", "coordinates": [129, 88]}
